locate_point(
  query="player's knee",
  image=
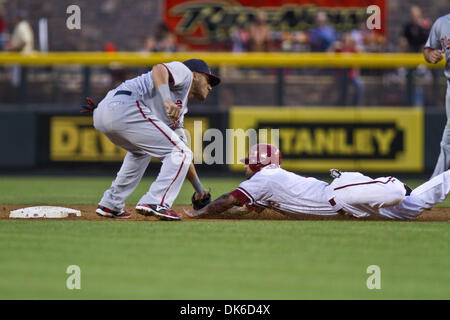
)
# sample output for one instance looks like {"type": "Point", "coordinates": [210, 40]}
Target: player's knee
{"type": "Point", "coordinates": [395, 197]}
{"type": "Point", "coordinates": [180, 156]}
{"type": "Point", "coordinates": [185, 153]}
{"type": "Point", "coordinates": [189, 155]}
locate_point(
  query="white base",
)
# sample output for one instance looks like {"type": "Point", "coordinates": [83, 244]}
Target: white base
{"type": "Point", "coordinates": [44, 212]}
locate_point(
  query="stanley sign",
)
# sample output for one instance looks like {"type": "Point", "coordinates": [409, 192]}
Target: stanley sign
{"type": "Point", "coordinates": [352, 139]}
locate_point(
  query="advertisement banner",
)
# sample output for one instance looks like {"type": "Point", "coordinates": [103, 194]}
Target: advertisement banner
{"type": "Point", "coordinates": [208, 24]}
{"type": "Point", "coordinates": [317, 139]}
{"type": "Point", "coordinates": [74, 139]}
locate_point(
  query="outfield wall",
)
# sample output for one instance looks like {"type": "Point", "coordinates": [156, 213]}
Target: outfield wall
{"type": "Point", "coordinates": [370, 139]}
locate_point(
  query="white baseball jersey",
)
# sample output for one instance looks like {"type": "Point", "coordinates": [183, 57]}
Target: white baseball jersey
{"type": "Point", "coordinates": [274, 187]}
{"type": "Point", "coordinates": [440, 39]}
{"type": "Point", "coordinates": [180, 80]}
{"type": "Point", "coordinates": [352, 193]}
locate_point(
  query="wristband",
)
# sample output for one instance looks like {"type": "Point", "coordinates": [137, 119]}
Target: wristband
{"type": "Point", "coordinates": [199, 188]}
{"type": "Point", "coordinates": [164, 92]}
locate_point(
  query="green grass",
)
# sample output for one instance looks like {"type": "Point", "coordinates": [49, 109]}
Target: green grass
{"type": "Point", "coordinates": [229, 260]}
{"type": "Point", "coordinates": [211, 260]}
{"type": "Point", "coordinates": [89, 190]}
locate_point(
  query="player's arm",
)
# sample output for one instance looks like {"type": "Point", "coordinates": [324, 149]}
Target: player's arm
{"type": "Point", "coordinates": [161, 78]}
{"type": "Point", "coordinates": [433, 55]}
{"type": "Point", "coordinates": [193, 178]}
{"type": "Point", "coordinates": [218, 206]}
{"type": "Point", "coordinates": [432, 50]}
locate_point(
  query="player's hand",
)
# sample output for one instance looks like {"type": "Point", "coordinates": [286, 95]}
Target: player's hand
{"type": "Point", "coordinates": [173, 111]}
{"type": "Point", "coordinates": [192, 213]}
{"type": "Point", "coordinates": [436, 55]}
{"type": "Point", "coordinates": [198, 196]}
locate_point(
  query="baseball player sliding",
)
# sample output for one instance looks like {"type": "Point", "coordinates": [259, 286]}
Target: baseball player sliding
{"type": "Point", "coordinates": [144, 116]}
{"type": "Point", "coordinates": [350, 193]}
{"type": "Point", "coordinates": [437, 45]}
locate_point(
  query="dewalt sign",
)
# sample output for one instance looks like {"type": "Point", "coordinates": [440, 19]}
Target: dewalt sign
{"type": "Point", "coordinates": [73, 138]}
{"type": "Point", "coordinates": [358, 139]}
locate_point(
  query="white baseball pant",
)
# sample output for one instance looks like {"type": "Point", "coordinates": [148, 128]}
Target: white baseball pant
{"type": "Point", "coordinates": [362, 196]}
{"type": "Point", "coordinates": [128, 123]}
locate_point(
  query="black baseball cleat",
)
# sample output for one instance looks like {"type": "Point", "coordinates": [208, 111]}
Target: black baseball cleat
{"type": "Point", "coordinates": [105, 212]}
{"type": "Point", "coordinates": [160, 212]}
{"type": "Point", "coordinates": [408, 190]}
{"type": "Point", "coordinates": [335, 173]}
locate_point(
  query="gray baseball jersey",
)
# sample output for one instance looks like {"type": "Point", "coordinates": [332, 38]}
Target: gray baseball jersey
{"type": "Point", "coordinates": [179, 84]}
{"type": "Point", "coordinates": [137, 122]}
{"type": "Point", "coordinates": [440, 39]}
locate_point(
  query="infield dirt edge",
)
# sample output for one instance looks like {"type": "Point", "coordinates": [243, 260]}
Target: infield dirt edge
{"type": "Point", "coordinates": [88, 214]}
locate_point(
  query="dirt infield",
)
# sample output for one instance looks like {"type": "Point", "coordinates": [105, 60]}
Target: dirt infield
{"type": "Point", "coordinates": [88, 213]}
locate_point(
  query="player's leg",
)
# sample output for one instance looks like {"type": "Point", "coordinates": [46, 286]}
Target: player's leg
{"type": "Point", "coordinates": [112, 116]}
{"type": "Point", "coordinates": [129, 124]}
{"type": "Point", "coordinates": [158, 140]}
{"type": "Point", "coordinates": [443, 162]}
{"type": "Point", "coordinates": [355, 188]}
{"type": "Point", "coordinates": [128, 177]}
{"type": "Point", "coordinates": [423, 197]}
{"type": "Point", "coordinates": [176, 158]}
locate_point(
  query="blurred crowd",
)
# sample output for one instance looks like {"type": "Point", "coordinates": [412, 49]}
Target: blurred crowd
{"type": "Point", "coordinates": [16, 34]}
{"type": "Point", "coordinates": [322, 37]}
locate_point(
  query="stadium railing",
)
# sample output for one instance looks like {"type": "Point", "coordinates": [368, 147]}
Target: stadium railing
{"type": "Point", "coordinates": [219, 59]}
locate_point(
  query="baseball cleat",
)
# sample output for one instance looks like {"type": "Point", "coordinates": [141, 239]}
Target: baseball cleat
{"type": "Point", "coordinates": [335, 173]}
{"type": "Point", "coordinates": [105, 212]}
{"type": "Point", "coordinates": [160, 212]}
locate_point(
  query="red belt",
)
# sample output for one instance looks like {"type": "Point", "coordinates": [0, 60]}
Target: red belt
{"type": "Point", "coordinates": [340, 211]}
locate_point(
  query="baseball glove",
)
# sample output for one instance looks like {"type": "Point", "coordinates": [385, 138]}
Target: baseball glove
{"type": "Point", "coordinates": [200, 203]}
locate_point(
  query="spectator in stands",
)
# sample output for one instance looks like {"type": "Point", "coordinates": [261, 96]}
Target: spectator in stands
{"type": "Point", "coordinates": [163, 40]}
{"type": "Point", "coordinates": [348, 76]}
{"type": "Point", "coordinates": [22, 39]}
{"type": "Point", "coordinates": [361, 35]}
{"type": "Point", "coordinates": [239, 39]}
{"type": "Point", "coordinates": [323, 35]}
{"type": "Point", "coordinates": [294, 41]}
{"type": "Point", "coordinates": [368, 40]}
{"type": "Point", "coordinates": [417, 30]}
{"type": "Point", "coordinates": [2, 27]}
{"type": "Point", "coordinates": [259, 34]}
{"type": "Point", "coordinates": [415, 34]}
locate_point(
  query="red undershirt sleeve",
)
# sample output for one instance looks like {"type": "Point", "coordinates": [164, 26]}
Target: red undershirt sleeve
{"type": "Point", "coordinates": [241, 197]}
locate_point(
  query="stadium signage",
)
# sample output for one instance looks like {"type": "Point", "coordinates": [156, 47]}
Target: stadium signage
{"type": "Point", "coordinates": [347, 140]}
{"type": "Point", "coordinates": [207, 22]}
{"type": "Point", "coordinates": [361, 139]}
{"type": "Point", "coordinates": [73, 138]}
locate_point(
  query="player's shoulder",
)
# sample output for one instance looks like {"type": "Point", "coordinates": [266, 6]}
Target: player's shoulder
{"type": "Point", "coordinates": [444, 19]}
{"type": "Point", "coordinates": [177, 65]}
{"type": "Point", "coordinates": [268, 173]}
